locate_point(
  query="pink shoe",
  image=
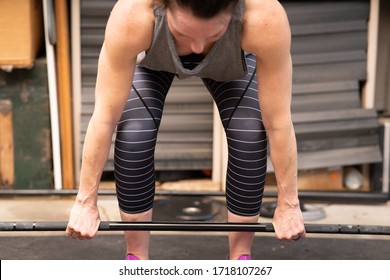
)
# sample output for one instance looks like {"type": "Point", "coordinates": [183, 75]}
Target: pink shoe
{"type": "Point", "coordinates": [244, 258]}
{"type": "Point", "coordinates": [131, 257]}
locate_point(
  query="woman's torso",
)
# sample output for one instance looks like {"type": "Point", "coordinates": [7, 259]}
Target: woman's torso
{"type": "Point", "coordinates": [223, 60]}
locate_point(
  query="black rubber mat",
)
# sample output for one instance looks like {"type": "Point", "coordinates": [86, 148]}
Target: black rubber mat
{"type": "Point", "coordinates": [191, 247]}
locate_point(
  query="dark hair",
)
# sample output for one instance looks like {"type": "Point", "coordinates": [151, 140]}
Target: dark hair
{"type": "Point", "coordinates": [203, 8]}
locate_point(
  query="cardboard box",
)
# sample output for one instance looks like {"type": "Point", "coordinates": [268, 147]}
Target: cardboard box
{"type": "Point", "coordinates": [323, 179]}
{"type": "Point", "coordinates": [21, 32]}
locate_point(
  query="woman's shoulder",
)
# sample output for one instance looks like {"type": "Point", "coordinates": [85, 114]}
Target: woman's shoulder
{"type": "Point", "coordinates": [131, 21]}
{"type": "Point", "coordinates": [264, 12]}
{"type": "Point", "coordinates": [132, 13]}
{"type": "Point", "coordinates": [134, 7]}
{"type": "Point", "coordinates": [265, 24]}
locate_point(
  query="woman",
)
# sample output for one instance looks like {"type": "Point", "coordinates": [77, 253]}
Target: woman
{"type": "Point", "coordinates": [241, 50]}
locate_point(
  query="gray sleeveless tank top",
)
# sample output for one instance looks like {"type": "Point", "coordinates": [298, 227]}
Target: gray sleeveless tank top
{"type": "Point", "coordinates": [224, 62]}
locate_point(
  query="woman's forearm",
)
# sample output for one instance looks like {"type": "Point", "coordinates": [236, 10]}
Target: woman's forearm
{"type": "Point", "coordinates": [283, 153]}
{"type": "Point", "coordinates": [96, 148]}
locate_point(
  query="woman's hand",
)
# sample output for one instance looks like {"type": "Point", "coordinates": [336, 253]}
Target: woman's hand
{"type": "Point", "coordinates": [84, 220]}
{"type": "Point", "coordinates": [288, 222]}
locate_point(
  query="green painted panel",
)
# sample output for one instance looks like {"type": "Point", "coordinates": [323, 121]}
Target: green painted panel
{"type": "Point", "coordinates": [28, 91]}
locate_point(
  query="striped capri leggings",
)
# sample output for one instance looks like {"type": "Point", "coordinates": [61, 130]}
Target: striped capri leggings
{"type": "Point", "coordinates": [137, 130]}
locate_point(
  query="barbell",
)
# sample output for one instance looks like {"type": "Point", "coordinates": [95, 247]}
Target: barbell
{"type": "Point", "coordinates": [196, 227]}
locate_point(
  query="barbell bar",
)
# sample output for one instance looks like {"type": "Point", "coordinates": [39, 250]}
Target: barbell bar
{"type": "Point", "coordinates": [197, 226]}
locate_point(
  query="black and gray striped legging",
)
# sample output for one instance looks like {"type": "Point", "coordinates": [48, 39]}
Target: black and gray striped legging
{"type": "Point", "coordinates": [137, 130]}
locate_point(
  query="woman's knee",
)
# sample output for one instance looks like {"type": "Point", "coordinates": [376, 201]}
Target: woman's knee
{"type": "Point", "coordinates": [137, 217]}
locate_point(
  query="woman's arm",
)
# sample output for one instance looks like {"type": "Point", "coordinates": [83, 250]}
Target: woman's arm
{"type": "Point", "coordinates": [128, 32]}
{"type": "Point", "coordinates": [267, 25]}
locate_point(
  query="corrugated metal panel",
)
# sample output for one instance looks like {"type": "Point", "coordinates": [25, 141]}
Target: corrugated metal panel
{"type": "Point", "coordinates": [329, 56]}
{"type": "Point", "coordinates": [329, 60]}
